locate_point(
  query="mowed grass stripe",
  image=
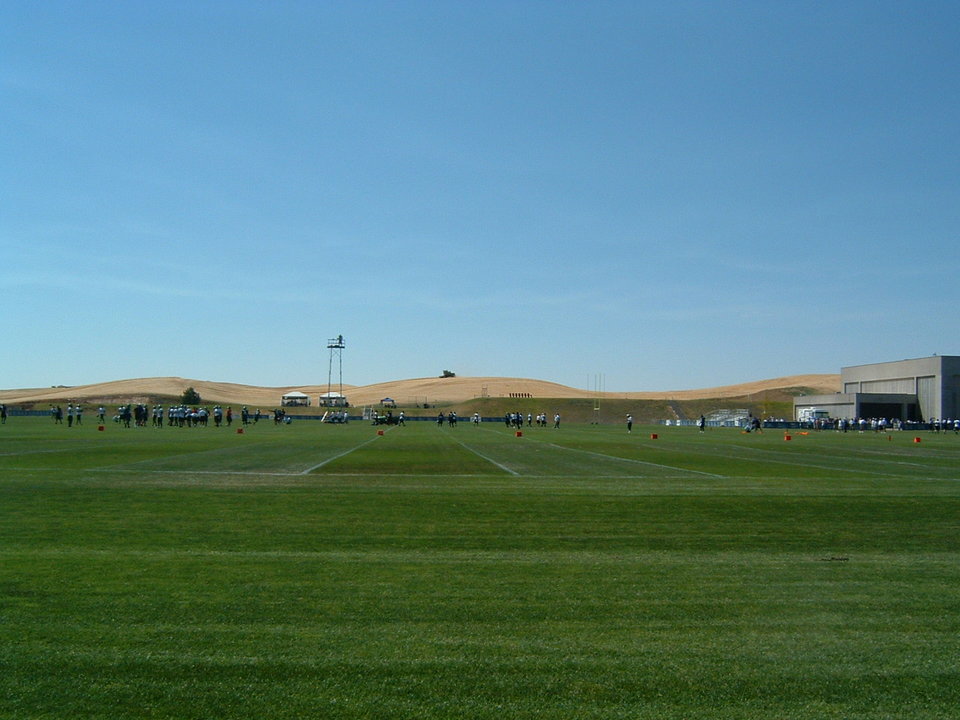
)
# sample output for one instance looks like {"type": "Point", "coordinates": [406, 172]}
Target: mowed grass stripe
{"type": "Point", "coordinates": [761, 459]}
{"type": "Point", "coordinates": [530, 455]}
{"type": "Point", "coordinates": [84, 455]}
{"type": "Point", "coordinates": [811, 456]}
{"type": "Point", "coordinates": [831, 453]}
{"type": "Point", "coordinates": [117, 447]}
{"type": "Point", "coordinates": [264, 447]}
{"type": "Point", "coordinates": [339, 455]}
{"type": "Point", "coordinates": [594, 453]}
{"type": "Point", "coordinates": [480, 454]}
{"type": "Point", "coordinates": [618, 450]}
{"type": "Point", "coordinates": [419, 448]}
{"type": "Point", "coordinates": [200, 457]}
{"type": "Point", "coordinates": [837, 454]}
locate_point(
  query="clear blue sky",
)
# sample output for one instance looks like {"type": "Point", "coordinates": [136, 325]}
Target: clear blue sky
{"type": "Point", "coordinates": [668, 194]}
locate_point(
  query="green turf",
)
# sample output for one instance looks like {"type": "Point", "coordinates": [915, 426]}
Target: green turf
{"type": "Point", "coordinates": [327, 571]}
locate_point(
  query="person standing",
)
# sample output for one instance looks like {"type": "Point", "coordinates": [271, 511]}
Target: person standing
{"type": "Point", "coordinates": [629, 423]}
{"type": "Point", "coordinates": [556, 421]}
{"type": "Point", "coordinates": [702, 423]}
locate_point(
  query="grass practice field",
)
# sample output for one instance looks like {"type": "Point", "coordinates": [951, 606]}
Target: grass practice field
{"type": "Point", "coordinates": [316, 571]}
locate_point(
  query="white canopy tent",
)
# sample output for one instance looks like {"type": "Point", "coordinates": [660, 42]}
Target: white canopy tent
{"type": "Point", "coordinates": [295, 398]}
{"type": "Point", "coordinates": [333, 399]}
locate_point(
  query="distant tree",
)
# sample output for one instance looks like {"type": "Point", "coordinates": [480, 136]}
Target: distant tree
{"type": "Point", "coordinates": [447, 373]}
{"type": "Point", "coordinates": [190, 397]}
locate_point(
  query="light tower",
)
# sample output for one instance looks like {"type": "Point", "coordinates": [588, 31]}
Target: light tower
{"type": "Point", "coordinates": [335, 345]}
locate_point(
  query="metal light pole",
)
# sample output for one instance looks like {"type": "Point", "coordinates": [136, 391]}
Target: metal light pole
{"type": "Point", "coordinates": [335, 345]}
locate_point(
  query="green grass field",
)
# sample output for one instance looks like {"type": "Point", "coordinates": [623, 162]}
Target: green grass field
{"type": "Point", "coordinates": [315, 571]}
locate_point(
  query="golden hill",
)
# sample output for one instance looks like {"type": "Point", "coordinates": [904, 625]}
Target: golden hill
{"type": "Point", "coordinates": [404, 392]}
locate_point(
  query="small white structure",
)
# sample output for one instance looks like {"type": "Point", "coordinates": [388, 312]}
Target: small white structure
{"type": "Point", "coordinates": [333, 399]}
{"type": "Point", "coordinates": [295, 399]}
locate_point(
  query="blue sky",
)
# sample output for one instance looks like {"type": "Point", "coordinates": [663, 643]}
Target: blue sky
{"type": "Point", "coordinates": [667, 195]}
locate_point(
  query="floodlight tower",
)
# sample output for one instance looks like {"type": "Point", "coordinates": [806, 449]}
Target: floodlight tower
{"type": "Point", "coordinates": [335, 345]}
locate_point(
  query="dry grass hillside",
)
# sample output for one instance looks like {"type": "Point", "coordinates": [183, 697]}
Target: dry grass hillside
{"type": "Point", "coordinates": [404, 392]}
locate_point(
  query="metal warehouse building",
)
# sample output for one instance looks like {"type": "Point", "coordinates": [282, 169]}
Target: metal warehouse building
{"type": "Point", "coordinates": [920, 389]}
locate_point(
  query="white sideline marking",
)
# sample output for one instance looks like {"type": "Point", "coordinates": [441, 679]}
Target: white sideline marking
{"type": "Point", "coordinates": [793, 462]}
{"type": "Point", "coordinates": [337, 457]}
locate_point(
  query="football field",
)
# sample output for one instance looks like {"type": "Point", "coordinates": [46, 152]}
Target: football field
{"type": "Point", "coordinates": [320, 571]}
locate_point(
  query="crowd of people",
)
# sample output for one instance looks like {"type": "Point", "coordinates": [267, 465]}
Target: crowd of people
{"type": "Point", "coordinates": [141, 415]}
{"type": "Point", "coordinates": [880, 425]}
{"type": "Point", "coordinates": [389, 418]}
{"type": "Point", "coordinates": [450, 418]}
{"type": "Point", "coordinates": [74, 414]}
{"type": "Point", "coordinates": [174, 416]}
{"type": "Point", "coordinates": [516, 420]}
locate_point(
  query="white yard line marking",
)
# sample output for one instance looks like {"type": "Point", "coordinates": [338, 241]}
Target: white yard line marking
{"type": "Point", "coordinates": [338, 456]}
{"type": "Point", "coordinates": [795, 462]}
{"type": "Point", "coordinates": [734, 454]}
{"type": "Point", "coordinates": [613, 457]}
{"type": "Point", "coordinates": [489, 460]}
{"type": "Point", "coordinates": [638, 462]}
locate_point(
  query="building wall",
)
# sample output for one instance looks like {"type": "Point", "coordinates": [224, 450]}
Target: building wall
{"type": "Point", "coordinates": [899, 385]}
{"type": "Point", "coordinates": [934, 380]}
